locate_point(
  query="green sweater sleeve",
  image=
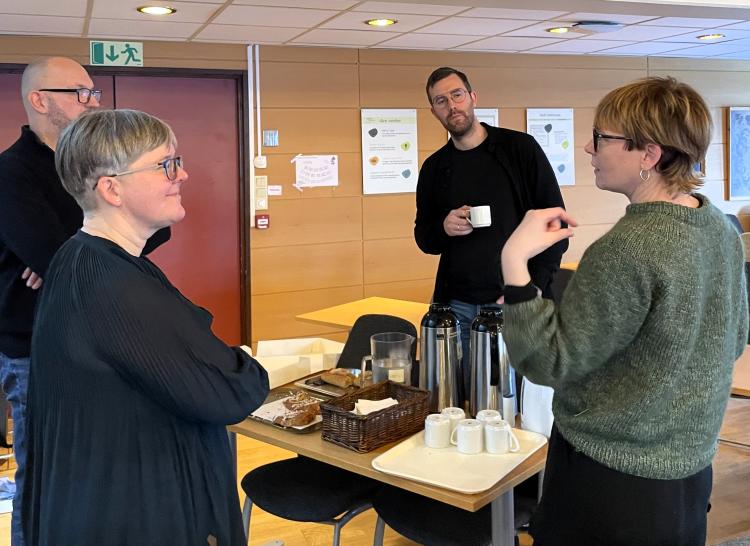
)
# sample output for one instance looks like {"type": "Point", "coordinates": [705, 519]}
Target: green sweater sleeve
{"type": "Point", "coordinates": [602, 309]}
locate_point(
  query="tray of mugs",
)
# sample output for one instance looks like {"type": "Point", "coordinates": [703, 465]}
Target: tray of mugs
{"type": "Point", "coordinates": [467, 455]}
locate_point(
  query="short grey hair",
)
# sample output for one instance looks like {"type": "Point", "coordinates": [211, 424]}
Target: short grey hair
{"type": "Point", "coordinates": [102, 143]}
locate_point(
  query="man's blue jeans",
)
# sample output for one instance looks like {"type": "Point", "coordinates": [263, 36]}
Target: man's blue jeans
{"type": "Point", "coordinates": [465, 313]}
{"type": "Point", "coordinates": [14, 379]}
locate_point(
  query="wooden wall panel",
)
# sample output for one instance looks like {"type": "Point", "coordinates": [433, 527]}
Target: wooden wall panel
{"type": "Point", "coordinates": [308, 130]}
{"type": "Point", "coordinates": [719, 88]}
{"type": "Point", "coordinates": [305, 222]}
{"type": "Point", "coordinates": [388, 216]}
{"type": "Point", "coordinates": [273, 314]}
{"type": "Point", "coordinates": [306, 267]}
{"type": "Point", "coordinates": [419, 290]}
{"type": "Point", "coordinates": [431, 135]}
{"type": "Point", "coordinates": [590, 205]}
{"type": "Point", "coordinates": [308, 85]}
{"type": "Point", "coordinates": [388, 260]}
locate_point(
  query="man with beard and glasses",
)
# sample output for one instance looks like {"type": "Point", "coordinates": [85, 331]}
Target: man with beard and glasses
{"type": "Point", "coordinates": [480, 165]}
{"type": "Point", "coordinates": [37, 216]}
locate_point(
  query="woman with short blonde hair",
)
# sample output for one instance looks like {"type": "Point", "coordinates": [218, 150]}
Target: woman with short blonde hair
{"type": "Point", "coordinates": [130, 392]}
{"type": "Point", "coordinates": [641, 347]}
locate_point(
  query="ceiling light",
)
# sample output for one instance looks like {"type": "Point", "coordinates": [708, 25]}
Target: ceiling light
{"type": "Point", "coordinates": [558, 30]}
{"type": "Point", "coordinates": [156, 10]}
{"type": "Point", "coordinates": [381, 22]}
{"type": "Point", "coordinates": [710, 36]}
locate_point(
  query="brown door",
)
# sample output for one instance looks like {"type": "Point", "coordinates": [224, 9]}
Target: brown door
{"type": "Point", "coordinates": [203, 258]}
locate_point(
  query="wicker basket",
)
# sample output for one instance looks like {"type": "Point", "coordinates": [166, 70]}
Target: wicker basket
{"type": "Point", "coordinates": [364, 433]}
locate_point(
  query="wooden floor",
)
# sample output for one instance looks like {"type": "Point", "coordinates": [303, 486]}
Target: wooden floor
{"type": "Point", "coordinates": [729, 519]}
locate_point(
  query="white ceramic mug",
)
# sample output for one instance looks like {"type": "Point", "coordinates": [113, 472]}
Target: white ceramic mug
{"type": "Point", "coordinates": [468, 436]}
{"type": "Point", "coordinates": [488, 415]}
{"type": "Point", "coordinates": [499, 438]}
{"type": "Point", "coordinates": [455, 415]}
{"type": "Point", "coordinates": [437, 430]}
{"type": "Point", "coordinates": [480, 216]}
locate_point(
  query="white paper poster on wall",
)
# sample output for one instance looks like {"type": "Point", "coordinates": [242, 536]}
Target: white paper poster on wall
{"type": "Point", "coordinates": [553, 130]}
{"type": "Point", "coordinates": [490, 116]}
{"type": "Point", "coordinates": [314, 171]}
{"type": "Point", "coordinates": [389, 151]}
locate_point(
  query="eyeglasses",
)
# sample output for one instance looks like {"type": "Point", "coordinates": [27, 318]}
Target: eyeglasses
{"type": "Point", "coordinates": [84, 95]}
{"type": "Point", "coordinates": [457, 96]}
{"type": "Point", "coordinates": [171, 166]}
{"type": "Point", "coordinates": [597, 136]}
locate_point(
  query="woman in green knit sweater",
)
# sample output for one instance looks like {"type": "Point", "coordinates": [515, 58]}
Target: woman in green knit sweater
{"type": "Point", "coordinates": [640, 350]}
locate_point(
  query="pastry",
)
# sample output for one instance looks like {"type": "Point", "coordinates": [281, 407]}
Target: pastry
{"type": "Point", "coordinates": [297, 418]}
{"type": "Point", "coordinates": [335, 377]}
{"type": "Point", "coordinates": [301, 400]}
{"type": "Point", "coordinates": [299, 409]}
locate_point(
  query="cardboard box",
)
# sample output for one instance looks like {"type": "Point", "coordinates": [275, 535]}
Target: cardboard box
{"type": "Point", "coordinates": [287, 360]}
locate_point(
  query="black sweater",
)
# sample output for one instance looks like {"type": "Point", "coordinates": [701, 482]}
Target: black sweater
{"type": "Point", "coordinates": [129, 397]}
{"type": "Point", "coordinates": [37, 216]}
{"type": "Point", "coordinates": [520, 160]}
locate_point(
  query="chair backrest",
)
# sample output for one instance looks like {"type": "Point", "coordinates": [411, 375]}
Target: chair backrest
{"type": "Point", "coordinates": [735, 222]}
{"type": "Point", "coordinates": [358, 343]}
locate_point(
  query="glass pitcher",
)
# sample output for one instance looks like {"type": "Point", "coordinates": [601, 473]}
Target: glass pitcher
{"type": "Point", "coordinates": [390, 358]}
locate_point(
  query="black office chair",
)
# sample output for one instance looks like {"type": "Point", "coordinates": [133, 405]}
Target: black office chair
{"type": "Point", "coordinates": [735, 222]}
{"type": "Point", "coordinates": [434, 523]}
{"type": "Point", "coordinates": [302, 489]}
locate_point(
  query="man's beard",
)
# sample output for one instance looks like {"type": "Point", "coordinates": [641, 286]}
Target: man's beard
{"type": "Point", "coordinates": [57, 117]}
{"type": "Point", "coordinates": [464, 125]}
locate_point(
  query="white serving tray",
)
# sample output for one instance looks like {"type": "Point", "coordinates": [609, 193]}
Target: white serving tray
{"type": "Point", "coordinates": [450, 469]}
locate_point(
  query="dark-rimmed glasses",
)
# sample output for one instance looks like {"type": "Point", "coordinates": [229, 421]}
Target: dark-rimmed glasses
{"type": "Point", "coordinates": [597, 136]}
{"type": "Point", "coordinates": [171, 167]}
{"type": "Point", "coordinates": [457, 96]}
{"type": "Point", "coordinates": [84, 95]}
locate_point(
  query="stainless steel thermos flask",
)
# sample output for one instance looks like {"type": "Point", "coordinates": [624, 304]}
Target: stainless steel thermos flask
{"type": "Point", "coordinates": [492, 377]}
{"type": "Point", "coordinates": [440, 357]}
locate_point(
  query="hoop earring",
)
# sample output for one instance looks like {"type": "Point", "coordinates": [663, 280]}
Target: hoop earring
{"type": "Point", "coordinates": [645, 177]}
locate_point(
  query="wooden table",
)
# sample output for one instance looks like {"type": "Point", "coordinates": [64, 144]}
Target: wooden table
{"type": "Point", "coordinates": [741, 377]}
{"type": "Point", "coordinates": [312, 445]}
{"type": "Point", "coordinates": [345, 314]}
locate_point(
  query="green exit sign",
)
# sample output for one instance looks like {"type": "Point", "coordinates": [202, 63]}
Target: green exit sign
{"type": "Point", "coordinates": [117, 53]}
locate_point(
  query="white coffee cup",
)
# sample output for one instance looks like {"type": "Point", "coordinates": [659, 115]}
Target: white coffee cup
{"type": "Point", "coordinates": [455, 415]}
{"type": "Point", "coordinates": [488, 415]}
{"type": "Point", "coordinates": [499, 438]}
{"type": "Point", "coordinates": [480, 216]}
{"type": "Point", "coordinates": [437, 430]}
{"type": "Point", "coordinates": [468, 436]}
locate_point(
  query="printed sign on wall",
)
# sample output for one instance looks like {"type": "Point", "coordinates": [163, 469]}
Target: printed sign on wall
{"type": "Point", "coordinates": [552, 128]}
{"type": "Point", "coordinates": [389, 151]}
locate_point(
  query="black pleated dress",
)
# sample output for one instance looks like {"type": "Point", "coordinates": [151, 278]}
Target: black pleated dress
{"type": "Point", "coordinates": [129, 396]}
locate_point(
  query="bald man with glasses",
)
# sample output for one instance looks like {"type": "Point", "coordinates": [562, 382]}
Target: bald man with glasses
{"type": "Point", "coordinates": [479, 166]}
{"type": "Point", "coordinates": [37, 216]}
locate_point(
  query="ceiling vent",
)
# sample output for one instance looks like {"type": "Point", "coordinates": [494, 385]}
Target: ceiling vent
{"type": "Point", "coordinates": [596, 27]}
